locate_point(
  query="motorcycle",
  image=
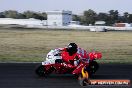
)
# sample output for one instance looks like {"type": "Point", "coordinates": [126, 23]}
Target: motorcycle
{"type": "Point", "coordinates": [84, 68]}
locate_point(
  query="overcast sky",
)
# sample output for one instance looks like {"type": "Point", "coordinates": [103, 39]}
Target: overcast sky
{"type": "Point", "coordinates": [76, 6]}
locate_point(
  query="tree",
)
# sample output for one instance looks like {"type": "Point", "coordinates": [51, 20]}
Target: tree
{"type": "Point", "coordinates": [31, 14]}
{"type": "Point", "coordinates": [113, 16]}
{"type": "Point", "coordinates": [89, 17]}
{"type": "Point", "coordinates": [126, 17]}
{"type": "Point", "coordinates": [44, 15]}
{"type": "Point", "coordinates": [11, 14]}
{"type": "Point", "coordinates": [103, 17]}
{"type": "Point", "coordinates": [130, 18]}
{"type": "Point", "coordinates": [21, 16]}
{"type": "Point", "coordinates": [75, 18]}
{"type": "Point", "coordinates": [41, 16]}
{"type": "Point", "coordinates": [2, 15]}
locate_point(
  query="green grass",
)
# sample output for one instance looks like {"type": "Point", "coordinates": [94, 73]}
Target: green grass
{"type": "Point", "coordinates": [31, 45]}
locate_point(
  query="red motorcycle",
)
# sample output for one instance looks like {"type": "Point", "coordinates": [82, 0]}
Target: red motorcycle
{"type": "Point", "coordinates": [85, 67]}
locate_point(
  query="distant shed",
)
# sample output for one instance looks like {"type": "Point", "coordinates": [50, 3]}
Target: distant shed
{"type": "Point", "coordinates": [100, 23]}
{"type": "Point", "coordinates": [99, 27]}
{"type": "Point", "coordinates": [30, 21]}
{"type": "Point", "coordinates": [122, 25]}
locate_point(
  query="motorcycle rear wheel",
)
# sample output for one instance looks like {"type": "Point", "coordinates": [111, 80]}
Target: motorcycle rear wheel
{"type": "Point", "coordinates": [41, 71]}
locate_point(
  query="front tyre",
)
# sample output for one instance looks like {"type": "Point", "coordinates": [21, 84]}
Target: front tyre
{"type": "Point", "coordinates": [92, 68]}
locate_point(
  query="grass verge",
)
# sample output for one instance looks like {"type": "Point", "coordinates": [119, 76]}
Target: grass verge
{"type": "Point", "coordinates": [31, 45]}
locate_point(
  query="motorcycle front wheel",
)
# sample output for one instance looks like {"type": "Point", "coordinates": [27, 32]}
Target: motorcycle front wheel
{"type": "Point", "coordinates": [92, 67]}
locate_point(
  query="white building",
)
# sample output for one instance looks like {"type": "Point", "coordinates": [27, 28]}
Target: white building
{"type": "Point", "coordinates": [122, 25]}
{"type": "Point", "coordinates": [99, 27]}
{"type": "Point", "coordinates": [74, 23]}
{"type": "Point", "coordinates": [54, 18]}
{"type": "Point", "coordinates": [59, 18]}
{"type": "Point", "coordinates": [100, 23]}
{"type": "Point", "coordinates": [30, 21]}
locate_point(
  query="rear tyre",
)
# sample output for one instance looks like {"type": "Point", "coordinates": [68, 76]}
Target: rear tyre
{"type": "Point", "coordinates": [41, 71]}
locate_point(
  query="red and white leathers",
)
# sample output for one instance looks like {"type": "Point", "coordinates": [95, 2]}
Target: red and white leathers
{"type": "Point", "coordinates": [81, 53]}
{"type": "Point", "coordinates": [69, 60]}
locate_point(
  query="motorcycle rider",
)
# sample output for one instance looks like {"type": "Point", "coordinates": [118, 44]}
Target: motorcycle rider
{"type": "Point", "coordinates": [69, 55]}
{"type": "Point", "coordinates": [72, 53]}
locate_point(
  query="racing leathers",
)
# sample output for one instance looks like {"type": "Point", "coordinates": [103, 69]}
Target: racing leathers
{"type": "Point", "coordinates": [73, 60]}
{"type": "Point", "coordinates": [67, 59]}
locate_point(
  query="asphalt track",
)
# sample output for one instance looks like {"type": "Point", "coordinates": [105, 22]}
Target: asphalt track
{"type": "Point", "coordinates": [21, 75]}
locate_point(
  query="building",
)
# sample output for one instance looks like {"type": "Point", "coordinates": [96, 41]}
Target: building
{"type": "Point", "coordinates": [74, 23]}
{"type": "Point", "coordinates": [122, 25]}
{"type": "Point", "coordinates": [59, 18]}
{"type": "Point", "coordinates": [11, 21]}
{"type": "Point", "coordinates": [54, 18]}
{"type": "Point", "coordinates": [99, 26]}
{"type": "Point", "coordinates": [100, 23]}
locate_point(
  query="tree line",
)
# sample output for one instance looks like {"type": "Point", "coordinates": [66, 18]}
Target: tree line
{"type": "Point", "coordinates": [113, 16]}
{"type": "Point", "coordinates": [88, 16]}
{"type": "Point", "coordinates": [24, 15]}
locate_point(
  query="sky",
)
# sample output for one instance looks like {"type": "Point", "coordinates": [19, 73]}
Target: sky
{"type": "Point", "coordinates": [76, 6]}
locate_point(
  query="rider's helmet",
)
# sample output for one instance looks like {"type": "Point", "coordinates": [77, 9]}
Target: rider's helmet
{"type": "Point", "coordinates": [72, 48]}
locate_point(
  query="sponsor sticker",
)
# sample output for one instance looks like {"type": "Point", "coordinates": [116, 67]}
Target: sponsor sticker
{"type": "Point", "coordinates": [110, 82]}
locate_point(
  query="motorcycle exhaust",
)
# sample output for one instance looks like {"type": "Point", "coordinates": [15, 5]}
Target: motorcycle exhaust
{"type": "Point", "coordinates": [84, 78]}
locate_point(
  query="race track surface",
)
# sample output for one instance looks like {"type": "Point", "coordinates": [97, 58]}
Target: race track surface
{"type": "Point", "coordinates": [20, 75]}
